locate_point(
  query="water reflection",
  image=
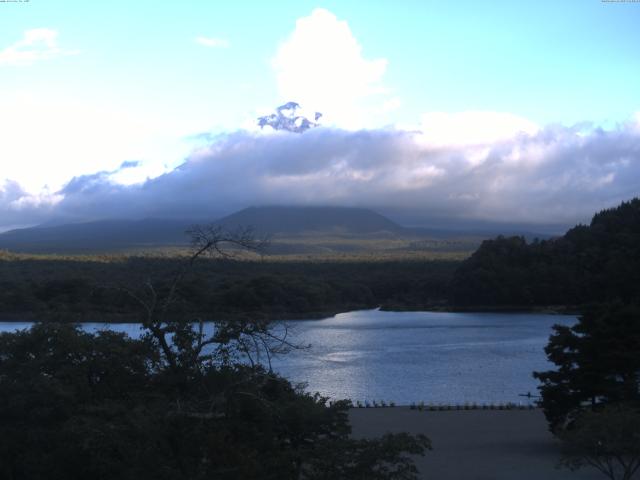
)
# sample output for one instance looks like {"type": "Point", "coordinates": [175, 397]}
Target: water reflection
{"type": "Point", "coordinates": [422, 356]}
{"type": "Point", "coordinates": [409, 357]}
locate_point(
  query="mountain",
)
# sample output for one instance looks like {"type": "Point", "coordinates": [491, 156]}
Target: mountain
{"type": "Point", "coordinates": [300, 220]}
{"type": "Point", "coordinates": [109, 235]}
{"type": "Point", "coordinates": [102, 235]}
{"type": "Point", "coordinates": [286, 119]}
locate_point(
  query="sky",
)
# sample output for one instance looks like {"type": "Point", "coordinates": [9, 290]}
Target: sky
{"type": "Point", "coordinates": [498, 111]}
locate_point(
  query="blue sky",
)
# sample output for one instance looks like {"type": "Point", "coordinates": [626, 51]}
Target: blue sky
{"type": "Point", "coordinates": [85, 86]}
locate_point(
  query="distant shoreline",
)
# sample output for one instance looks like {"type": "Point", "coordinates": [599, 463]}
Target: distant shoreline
{"type": "Point", "coordinates": [98, 317]}
{"type": "Point", "coordinates": [548, 309]}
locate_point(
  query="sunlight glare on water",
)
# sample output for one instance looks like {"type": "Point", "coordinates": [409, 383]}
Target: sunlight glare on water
{"type": "Point", "coordinates": [407, 357]}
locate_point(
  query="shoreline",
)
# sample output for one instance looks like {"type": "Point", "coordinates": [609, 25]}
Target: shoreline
{"type": "Point", "coordinates": [103, 317]}
{"type": "Point", "coordinates": [98, 317]}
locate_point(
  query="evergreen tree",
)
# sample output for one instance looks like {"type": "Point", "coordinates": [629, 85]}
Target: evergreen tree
{"type": "Point", "coordinates": [598, 362]}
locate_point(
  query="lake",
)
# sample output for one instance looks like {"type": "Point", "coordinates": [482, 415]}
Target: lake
{"type": "Point", "coordinates": [406, 357]}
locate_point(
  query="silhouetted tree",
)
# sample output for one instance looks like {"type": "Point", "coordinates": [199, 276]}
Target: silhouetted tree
{"type": "Point", "coordinates": [598, 363]}
{"type": "Point", "coordinates": [607, 440]}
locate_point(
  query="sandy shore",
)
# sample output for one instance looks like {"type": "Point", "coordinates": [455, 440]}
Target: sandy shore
{"type": "Point", "coordinates": [475, 444]}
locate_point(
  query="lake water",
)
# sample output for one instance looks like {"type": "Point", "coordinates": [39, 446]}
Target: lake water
{"type": "Point", "coordinates": [408, 357]}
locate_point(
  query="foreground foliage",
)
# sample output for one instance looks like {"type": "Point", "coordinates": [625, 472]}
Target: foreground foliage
{"type": "Point", "coordinates": [76, 405]}
{"type": "Point", "coordinates": [187, 400]}
{"type": "Point", "coordinates": [592, 399]}
{"type": "Point", "coordinates": [607, 440]}
{"type": "Point", "coordinates": [598, 363]}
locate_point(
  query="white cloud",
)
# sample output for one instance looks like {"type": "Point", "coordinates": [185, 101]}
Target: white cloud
{"type": "Point", "coordinates": [473, 127]}
{"type": "Point", "coordinates": [321, 66]}
{"type": "Point", "coordinates": [391, 104]}
{"type": "Point", "coordinates": [36, 44]}
{"type": "Point", "coordinates": [45, 140]}
{"type": "Point", "coordinates": [213, 42]}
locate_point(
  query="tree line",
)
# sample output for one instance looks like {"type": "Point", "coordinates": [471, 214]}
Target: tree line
{"type": "Point", "coordinates": [594, 263]}
{"type": "Point", "coordinates": [84, 290]}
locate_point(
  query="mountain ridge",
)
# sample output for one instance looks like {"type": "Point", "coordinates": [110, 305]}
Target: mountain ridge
{"type": "Point", "coordinates": [287, 219]}
{"type": "Point", "coordinates": [114, 234]}
{"type": "Point", "coordinates": [301, 224]}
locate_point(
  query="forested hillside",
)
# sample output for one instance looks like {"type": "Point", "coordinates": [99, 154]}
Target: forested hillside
{"type": "Point", "coordinates": [76, 289]}
{"type": "Point", "coordinates": [591, 263]}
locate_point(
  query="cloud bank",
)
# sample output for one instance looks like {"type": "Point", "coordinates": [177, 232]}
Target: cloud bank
{"type": "Point", "coordinates": [546, 175]}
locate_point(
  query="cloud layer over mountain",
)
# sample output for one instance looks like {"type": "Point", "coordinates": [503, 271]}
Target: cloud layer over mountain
{"type": "Point", "coordinates": [550, 175]}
